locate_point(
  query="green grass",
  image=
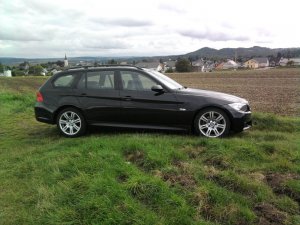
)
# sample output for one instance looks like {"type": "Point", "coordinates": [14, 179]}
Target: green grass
{"type": "Point", "coordinates": [138, 177]}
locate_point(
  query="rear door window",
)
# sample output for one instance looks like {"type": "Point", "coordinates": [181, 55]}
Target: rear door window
{"type": "Point", "coordinates": [64, 81]}
{"type": "Point", "coordinates": [103, 80]}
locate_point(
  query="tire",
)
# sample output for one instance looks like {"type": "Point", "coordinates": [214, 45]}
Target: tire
{"type": "Point", "coordinates": [212, 123]}
{"type": "Point", "coordinates": [71, 123]}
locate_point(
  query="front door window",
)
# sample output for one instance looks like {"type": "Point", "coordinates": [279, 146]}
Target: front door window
{"type": "Point", "coordinates": [133, 81]}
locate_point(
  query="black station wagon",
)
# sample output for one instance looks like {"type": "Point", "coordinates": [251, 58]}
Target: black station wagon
{"type": "Point", "coordinates": [128, 96]}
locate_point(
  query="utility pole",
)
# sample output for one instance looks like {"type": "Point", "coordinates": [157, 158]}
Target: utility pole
{"type": "Point", "coordinates": [235, 55]}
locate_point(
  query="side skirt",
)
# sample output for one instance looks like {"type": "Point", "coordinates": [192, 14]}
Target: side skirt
{"type": "Point", "coordinates": [122, 125]}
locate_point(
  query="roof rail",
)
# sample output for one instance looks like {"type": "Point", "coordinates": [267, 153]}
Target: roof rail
{"type": "Point", "coordinates": [101, 66]}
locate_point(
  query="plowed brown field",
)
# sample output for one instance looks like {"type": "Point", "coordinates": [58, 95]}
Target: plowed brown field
{"type": "Point", "coordinates": [273, 90]}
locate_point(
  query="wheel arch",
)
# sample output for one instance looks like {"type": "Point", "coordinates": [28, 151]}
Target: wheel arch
{"type": "Point", "coordinates": [57, 111]}
{"type": "Point", "coordinates": [211, 106]}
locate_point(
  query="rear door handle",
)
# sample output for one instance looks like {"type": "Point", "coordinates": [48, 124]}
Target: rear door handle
{"type": "Point", "coordinates": [83, 94]}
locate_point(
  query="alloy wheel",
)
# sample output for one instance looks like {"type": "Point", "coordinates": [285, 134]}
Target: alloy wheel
{"type": "Point", "coordinates": [212, 124]}
{"type": "Point", "coordinates": [70, 123]}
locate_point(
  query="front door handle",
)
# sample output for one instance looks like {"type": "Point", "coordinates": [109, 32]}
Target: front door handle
{"type": "Point", "coordinates": [83, 94]}
{"type": "Point", "coordinates": [127, 98]}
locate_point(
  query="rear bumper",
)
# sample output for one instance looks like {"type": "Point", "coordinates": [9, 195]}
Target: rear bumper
{"type": "Point", "coordinates": [43, 114]}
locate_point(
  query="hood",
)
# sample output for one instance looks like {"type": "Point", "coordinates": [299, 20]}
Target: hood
{"type": "Point", "coordinates": [212, 94]}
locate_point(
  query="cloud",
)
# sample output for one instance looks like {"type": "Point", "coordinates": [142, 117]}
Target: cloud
{"type": "Point", "coordinates": [171, 8]}
{"type": "Point", "coordinates": [213, 35]}
{"type": "Point", "coordinates": [22, 31]}
{"type": "Point", "coordinates": [125, 22]}
{"type": "Point", "coordinates": [88, 27]}
{"type": "Point", "coordinates": [19, 36]}
{"type": "Point", "coordinates": [104, 44]}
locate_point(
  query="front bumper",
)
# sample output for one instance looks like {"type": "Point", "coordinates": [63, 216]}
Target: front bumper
{"type": "Point", "coordinates": [239, 120]}
{"type": "Point", "coordinates": [239, 124]}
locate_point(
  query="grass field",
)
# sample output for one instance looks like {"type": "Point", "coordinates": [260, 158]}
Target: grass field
{"type": "Point", "coordinates": [143, 177]}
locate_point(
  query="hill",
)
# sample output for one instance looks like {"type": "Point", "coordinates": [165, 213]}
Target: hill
{"type": "Point", "coordinates": [205, 52]}
{"type": "Point", "coordinates": [255, 51]}
{"type": "Point", "coordinates": [17, 61]}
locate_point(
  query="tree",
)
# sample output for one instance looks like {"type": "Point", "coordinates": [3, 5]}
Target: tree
{"type": "Point", "coordinates": [279, 55]}
{"type": "Point", "coordinates": [36, 70]}
{"type": "Point", "coordinates": [44, 65]}
{"type": "Point", "coordinates": [1, 68]}
{"type": "Point", "coordinates": [170, 70]}
{"type": "Point", "coordinates": [112, 62]}
{"type": "Point", "coordinates": [183, 65]}
{"type": "Point", "coordinates": [17, 72]}
{"type": "Point", "coordinates": [60, 63]}
{"type": "Point", "coordinates": [290, 63]}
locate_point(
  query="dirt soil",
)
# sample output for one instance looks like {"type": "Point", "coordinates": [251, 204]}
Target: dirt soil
{"type": "Point", "coordinates": [268, 214]}
{"type": "Point", "coordinates": [278, 181]}
{"type": "Point", "coordinates": [184, 180]}
{"type": "Point", "coordinates": [274, 90]}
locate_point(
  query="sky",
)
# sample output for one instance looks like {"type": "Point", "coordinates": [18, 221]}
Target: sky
{"type": "Point", "coordinates": [51, 28]}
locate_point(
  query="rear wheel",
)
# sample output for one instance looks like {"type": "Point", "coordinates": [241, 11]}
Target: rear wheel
{"type": "Point", "coordinates": [212, 122]}
{"type": "Point", "coordinates": [71, 123]}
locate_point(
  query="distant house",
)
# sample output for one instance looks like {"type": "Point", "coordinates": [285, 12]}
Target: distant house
{"type": "Point", "coordinates": [6, 73]}
{"type": "Point", "coordinates": [84, 63]}
{"type": "Point", "coordinates": [284, 61]}
{"type": "Point", "coordinates": [54, 71]}
{"type": "Point", "coordinates": [150, 65]}
{"type": "Point", "coordinates": [169, 65]}
{"type": "Point", "coordinates": [230, 64]}
{"type": "Point", "coordinates": [44, 72]}
{"type": "Point", "coordinates": [257, 63]}
{"type": "Point", "coordinates": [203, 65]}
{"type": "Point", "coordinates": [220, 66]}
{"type": "Point", "coordinates": [198, 65]}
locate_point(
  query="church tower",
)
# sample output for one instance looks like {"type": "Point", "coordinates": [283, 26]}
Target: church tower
{"type": "Point", "coordinates": [66, 63]}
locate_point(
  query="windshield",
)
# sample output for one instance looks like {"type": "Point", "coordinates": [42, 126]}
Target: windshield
{"type": "Point", "coordinates": [172, 84]}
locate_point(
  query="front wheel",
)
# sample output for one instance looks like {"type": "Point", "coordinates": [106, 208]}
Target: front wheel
{"type": "Point", "coordinates": [71, 123]}
{"type": "Point", "coordinates": [212, 122]}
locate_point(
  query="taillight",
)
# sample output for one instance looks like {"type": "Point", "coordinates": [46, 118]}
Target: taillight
{"type": "Point", "coordinates": [39, 97]}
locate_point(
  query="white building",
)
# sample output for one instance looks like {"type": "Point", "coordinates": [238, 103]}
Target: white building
{"type": "Point", "coordinates": [150, 65]}
{"type": "Point", "coordinates": [6, 73]}
{"type": "Point", "coordinates": [169, 65]}
{"type": "Point", "coordinates": [66, 63]}
{"type": "Point", "coordinates": [230, 64]}
{"type": "Point", "coordinates": [284, 61]}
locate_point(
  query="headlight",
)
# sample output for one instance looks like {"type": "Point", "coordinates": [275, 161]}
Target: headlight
{"type": "Point", "coordinates": [242, 107]}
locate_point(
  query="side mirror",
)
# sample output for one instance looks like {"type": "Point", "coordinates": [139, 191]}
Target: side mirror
{"type": "Point", "coordinates": [157, 88]}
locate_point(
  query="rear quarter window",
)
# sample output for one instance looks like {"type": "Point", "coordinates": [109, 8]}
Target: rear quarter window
{"type": "Point", "coordinates": [64, 80]}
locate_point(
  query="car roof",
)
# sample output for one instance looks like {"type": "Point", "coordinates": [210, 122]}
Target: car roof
{"type": "Point", "coordinates": [80, 68]}
{"type": "Point", "coordinates": [97, 68]}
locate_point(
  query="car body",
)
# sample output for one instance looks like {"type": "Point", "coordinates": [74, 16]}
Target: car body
{"type": "Point", "coordinates": [128, 96]}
